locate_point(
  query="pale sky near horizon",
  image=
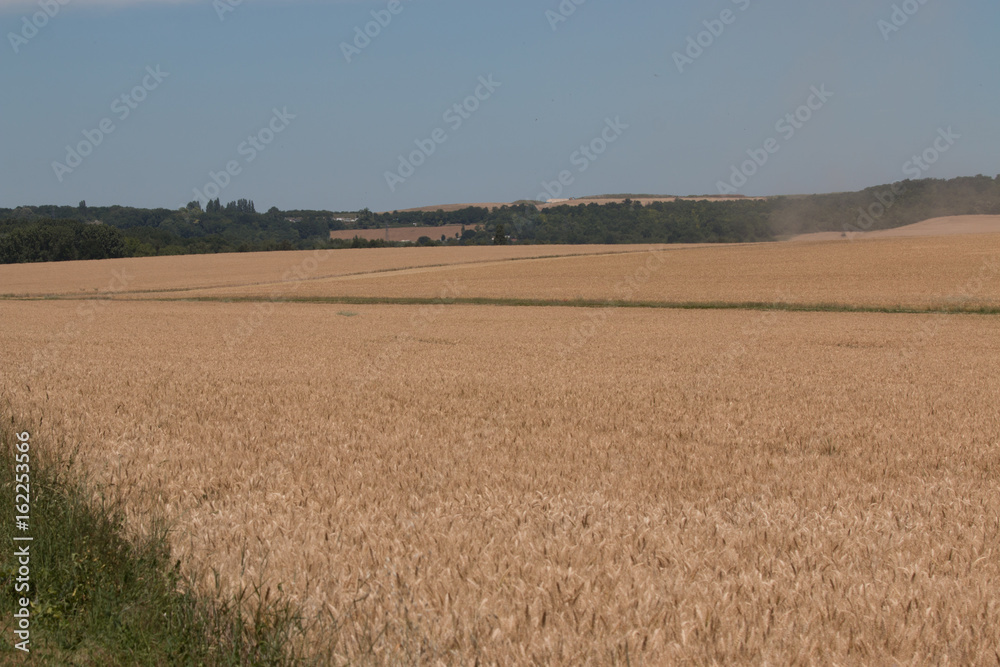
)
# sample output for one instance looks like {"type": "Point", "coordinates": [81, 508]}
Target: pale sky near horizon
{"type": "Point", "coordinates": [203, 80]}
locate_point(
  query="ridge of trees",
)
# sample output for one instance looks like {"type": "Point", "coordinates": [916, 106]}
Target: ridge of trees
{"type": "Point", "coordinates": [57, 233]}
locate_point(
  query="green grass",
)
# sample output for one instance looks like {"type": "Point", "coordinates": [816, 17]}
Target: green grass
{"type": "Point", "coordinates": [802, 307]}
{"type": "Point", "coordinates": [101, 599]}
{"type": "Point", "coordinates": [958, 309]}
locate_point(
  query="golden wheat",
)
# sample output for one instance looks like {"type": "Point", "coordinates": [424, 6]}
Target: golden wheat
{"type": "Point", "coordinates": [553, 485]}
{"type": "Point", "coordinates": [909, 272]}
{"type": "Point", "coordinates": [270, 269]}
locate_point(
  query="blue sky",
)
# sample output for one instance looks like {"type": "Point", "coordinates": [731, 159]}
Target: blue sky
{"type": "Point", "coordinates": [560, 82]}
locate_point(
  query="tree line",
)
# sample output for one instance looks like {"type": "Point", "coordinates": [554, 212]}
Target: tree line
{"type": "Point", "coordinates": [58, 233]}
{"type": "Point", "coordinates": [58, 241]}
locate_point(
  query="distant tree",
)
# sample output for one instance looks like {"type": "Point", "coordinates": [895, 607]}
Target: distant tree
{"type": "Point", "coordinates": [99, 242]}
{"type": "Point", "coordinates": [193, 206]}
{"type": "Point", "coordinates": [366, 219]}
{"type": "Point", "coordinates": [500, 238]}
{"type": "Point", "coordinates": [82, 206]}
{"type": "Point", "coordinates": [241, 206]}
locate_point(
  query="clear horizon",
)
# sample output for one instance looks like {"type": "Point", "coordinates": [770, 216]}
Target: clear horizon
{"type": "Point", "coordinates": [397, 104]}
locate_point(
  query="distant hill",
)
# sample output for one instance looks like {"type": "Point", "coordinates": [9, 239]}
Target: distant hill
{"type": "Point", "coordinates": [576, 201]}
{"type": "Point", "coordinates": [885, 206]}
{"type": "Point", "coordinates": [948, 226]}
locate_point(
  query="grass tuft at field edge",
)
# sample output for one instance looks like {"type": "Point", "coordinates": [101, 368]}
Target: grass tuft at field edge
{"type": "Point", "coordinates": [98, 597]}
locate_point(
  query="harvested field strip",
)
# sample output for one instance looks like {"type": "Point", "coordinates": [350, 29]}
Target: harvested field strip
{"type": "Point", "coordinates": [410, 234]}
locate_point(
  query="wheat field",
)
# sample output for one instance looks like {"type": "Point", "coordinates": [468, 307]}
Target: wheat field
{"type": "Point", "coordinates": [551, 485]}
{"type": "Point", "coordinates": [273, 270]}
{"type": "Point", "coordinates": [453, 483]}
{"type": "Point", "coordinates": [946, 272]}
{"type": "Point", "coordinates": [927, 272]}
